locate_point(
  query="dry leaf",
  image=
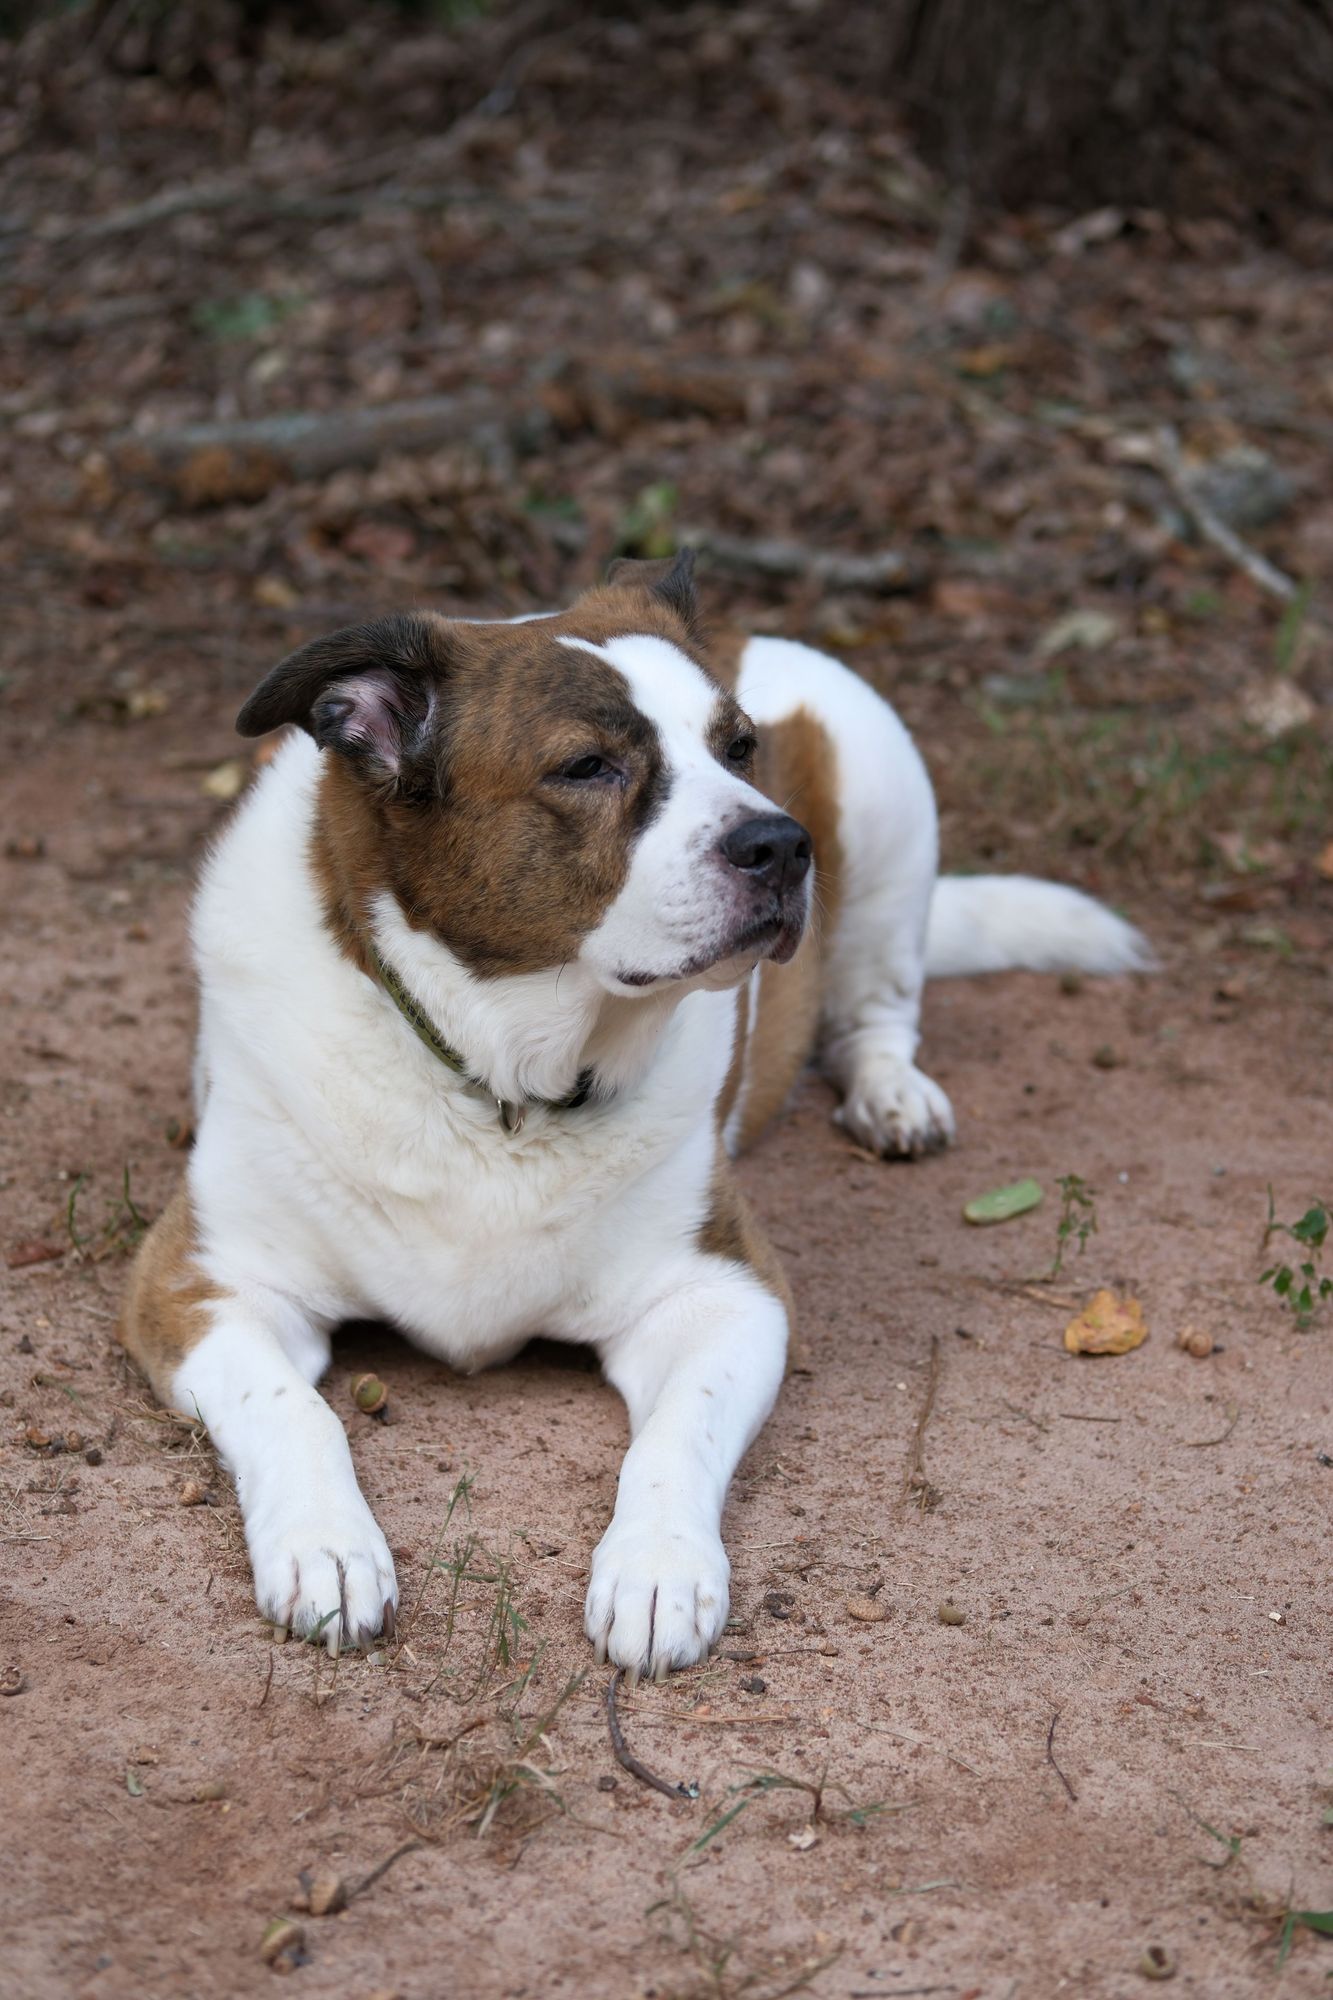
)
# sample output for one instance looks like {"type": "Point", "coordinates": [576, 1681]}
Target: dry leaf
{"type": "Point", "coordinates": [145, 701]}
{"type": "Point", "coordinates": [1077, 631]}
{"type": "Point", "coordinates": [225, 781]}
{"type": "Point", "coordinates": [1107, 1325]}
{"type": "Point", "coordinates": [34, 1251]}
{"type": "Point", "coordinates": [804, 1839]}
{"type": "Point", "coordinates": [1275, 706]}
{"type": "Point", "coordinates": [1325, 863]}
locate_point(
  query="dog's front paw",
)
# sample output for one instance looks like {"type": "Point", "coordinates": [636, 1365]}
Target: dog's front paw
{"type": "Point", "coordinates": [893, 1109]}
{"type": "Point", "coordinates": [329, 1578]}
{"type": "Point", "coordinates": [657, 1597]}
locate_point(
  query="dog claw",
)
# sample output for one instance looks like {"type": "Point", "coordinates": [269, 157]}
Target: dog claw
{"type": "Point", "coordinates": [280, 1635]}
{"type": "Point", "coordinates": [599, 1650]}
{"type": "Point", "coordinates": [631, 1677]}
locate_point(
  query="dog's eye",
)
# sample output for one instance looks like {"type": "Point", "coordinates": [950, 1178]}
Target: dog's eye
{"type": "Point", "coordinates": [741, 749]}
{"type": "Point", "coordinates": [584, 769]}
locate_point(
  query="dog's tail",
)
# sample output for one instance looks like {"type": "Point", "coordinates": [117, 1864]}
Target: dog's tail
{"type": "Point", "coordinates": [997, 923]}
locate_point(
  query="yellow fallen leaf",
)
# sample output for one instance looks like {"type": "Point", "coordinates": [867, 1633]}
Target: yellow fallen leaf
{"type": "Point", "coordinates": [225, 781]}
{"type": "Point", "coordinates": [1106, 1325]}
{"type": "Point", "coordinates": [275, 593]}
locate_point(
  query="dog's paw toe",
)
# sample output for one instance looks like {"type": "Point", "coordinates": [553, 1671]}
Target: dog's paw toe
{"type": "Point", "coordinates": [657, 1598]}
{"type": "Point", "coordinates": [328, 1581]}
{"type": "Point", "coordinates": [892, 1109]}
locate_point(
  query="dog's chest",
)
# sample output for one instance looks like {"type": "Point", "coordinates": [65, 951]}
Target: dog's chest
{"type": "Point", "coordinates": [471, 1240]}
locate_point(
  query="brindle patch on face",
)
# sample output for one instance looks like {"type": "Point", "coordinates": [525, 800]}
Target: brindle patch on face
{"type": "Point", "coordinates": [504, 860]}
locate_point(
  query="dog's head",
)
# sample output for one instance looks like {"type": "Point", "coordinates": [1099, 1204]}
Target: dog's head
{"type": "Point", "coordinates": [571, 787]}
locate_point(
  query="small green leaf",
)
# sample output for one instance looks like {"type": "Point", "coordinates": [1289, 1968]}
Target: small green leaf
{"type": "Point", "coordinates": [1312, 1227]}
{"type": "Point", "coordinates": [1004, 1203]}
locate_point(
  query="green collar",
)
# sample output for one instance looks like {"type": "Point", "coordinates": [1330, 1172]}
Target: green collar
{"type": "Point", "coordinates": [511, 1115]}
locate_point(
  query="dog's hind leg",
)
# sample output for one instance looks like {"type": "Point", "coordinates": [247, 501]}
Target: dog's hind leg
{"type": "Point", "coordinates": [244, 1359]}
{"type": "Point", "coordinates": [875, 860]}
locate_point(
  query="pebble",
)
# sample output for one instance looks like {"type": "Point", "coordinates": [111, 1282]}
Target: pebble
{"type": "Point", "coordinates": [868, 1609]}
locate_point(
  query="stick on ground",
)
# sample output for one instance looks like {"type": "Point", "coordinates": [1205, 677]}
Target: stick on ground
{"type": "Point", "coordinates": [916, 1486]}
{"type": "Point", "coordinates": [1050, 1758]}
{"type": "Point", "coordinates": [625, 1756]}
{"type": "Point", "coordinates": [836, 569]}
{"type": "Point", "coordinates": [1171, 464]}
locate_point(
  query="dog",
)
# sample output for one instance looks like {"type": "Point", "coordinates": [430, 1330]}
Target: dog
{"type": "Point", "coordinates": [525, 930]}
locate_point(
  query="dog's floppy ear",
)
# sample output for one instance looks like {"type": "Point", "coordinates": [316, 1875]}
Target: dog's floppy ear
{"type": "Point", "coordinates": [366, 692]}
{"type": "Point", "coordinates": [670, 580]}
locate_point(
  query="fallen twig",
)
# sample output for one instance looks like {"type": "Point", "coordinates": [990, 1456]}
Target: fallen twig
{"type": "Point", "coordinates": [245, 459]}
{"type": "Point", "coordinates": [369, 1881]}
{"type": "Point", "coordinates": [916, 1483]}
{"type": "Point", "coordinates": [1171, 465]}
{"type": "Point", "coordinates": [1050, 1758]}
{"type": "Point", "coordinates": [746, 1719]}
{"type": "Point", "coordinates": [1059, 1301]}
{"type": "Point", "coordinates": [887, 571]}
{"type": "Point", "coordinates": [924, 1743]}
{"type": "Point", "coordinates": [625, 1756]}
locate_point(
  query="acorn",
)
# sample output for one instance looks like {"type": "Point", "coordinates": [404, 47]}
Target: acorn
{"type": "Point", "coordinates": [327, 1893]}
{"type": "Point", "coordinates": [283, 1944]}
{"type": "Point", "coordinates": [369, 1394]}
{"type": "Point", "coordinates": [1157, 1963]}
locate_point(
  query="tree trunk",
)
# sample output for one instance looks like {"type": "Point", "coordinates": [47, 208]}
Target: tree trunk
{"type": "Point", "coordinates": [1189, 105]}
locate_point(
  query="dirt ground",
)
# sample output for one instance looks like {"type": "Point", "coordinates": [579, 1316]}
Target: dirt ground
{"type": "Point", "coordinates": [1123, 1747]}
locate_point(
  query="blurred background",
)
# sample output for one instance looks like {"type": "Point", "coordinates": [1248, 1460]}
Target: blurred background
{"type": "Point", "coordinates": [987, 345]}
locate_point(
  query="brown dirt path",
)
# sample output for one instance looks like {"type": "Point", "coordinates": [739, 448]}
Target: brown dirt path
{"type": "Point", "coordinates": [1114, 1566]}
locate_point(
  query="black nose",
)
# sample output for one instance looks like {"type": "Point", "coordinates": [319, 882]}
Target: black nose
{"type": "Point", "coordinates": [772, 848]}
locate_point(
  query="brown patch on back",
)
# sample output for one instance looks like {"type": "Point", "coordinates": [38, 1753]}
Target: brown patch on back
{"type": "Point", "coordinates": [797, 769]}
{"type": "Point", "coordinates": [729, 1230]}
{"type": "Point", "coordinates": [160, 1320]}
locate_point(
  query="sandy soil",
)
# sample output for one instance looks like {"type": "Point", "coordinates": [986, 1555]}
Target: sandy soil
{"type": "Point", "coordinates": [1138, 1545]}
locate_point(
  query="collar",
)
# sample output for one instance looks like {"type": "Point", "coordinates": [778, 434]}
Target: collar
{"type": "Point", "coordinates": [418, 1020]}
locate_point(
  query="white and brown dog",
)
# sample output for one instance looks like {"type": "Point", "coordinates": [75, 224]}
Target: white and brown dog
{"type": "Point", "coordinates": [505, 953]}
